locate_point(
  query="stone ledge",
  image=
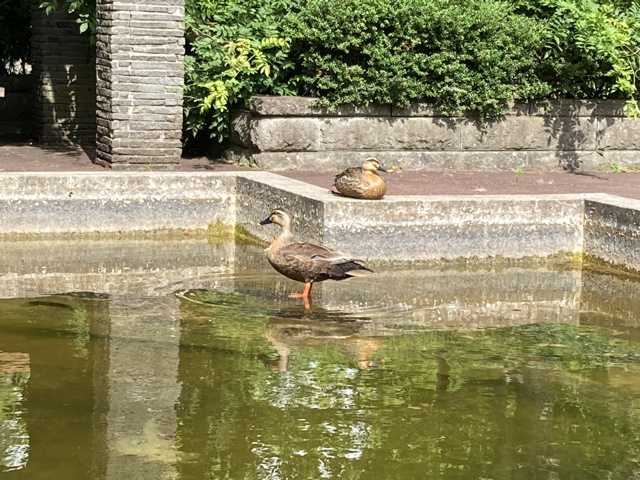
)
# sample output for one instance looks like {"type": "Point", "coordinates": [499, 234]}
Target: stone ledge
{"type": "Point", "coordinates": [268, 105]}
{"type": "Point", "coordinates": [294, 106]}
{"type": "Point", "coordinates": [418, 228]}
{"type": "Point", "coordinates": [279, 133]}
{"type": "Point", "coordinates": [335, 161]}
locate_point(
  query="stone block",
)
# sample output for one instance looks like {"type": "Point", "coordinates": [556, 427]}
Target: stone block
{"type": "Point", "coordinates": [530, 133]}
{"type": "Point", "coordinates": [623, 158]}
{"type": "Point", "coordinates": [267, 105]}
{"type": "Point", "coordinates": [612, 230]}
{"type": "Point", "coordinates": [283, 134]}
{"type": "Point", "coordinates": [145, 150]}
{"type": "Point", "coordinates": [389, 134]}
{"type": "Point", "coordinates": [579, 108]}
{"type": "Point", "coordinates": [421, 109]}
{"type": "Point", "coordinates": [240, 128]}
{"type": "Point", "coordinates": [618, 134]}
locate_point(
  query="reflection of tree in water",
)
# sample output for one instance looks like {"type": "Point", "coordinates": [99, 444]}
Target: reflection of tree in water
{"type": "Point", "coordinates": [14, 437]}
{"type": "Point", "coordinates": [502, 404]}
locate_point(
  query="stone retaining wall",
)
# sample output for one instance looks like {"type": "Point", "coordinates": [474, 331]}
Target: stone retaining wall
{"type": "Point", "coordinates": [281, 133]}
{"type": "Point", "coordinates": [64, 71]}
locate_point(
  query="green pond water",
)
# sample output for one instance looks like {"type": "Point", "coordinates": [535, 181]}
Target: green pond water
{"type": "Point", "coordinates": [188, 361]}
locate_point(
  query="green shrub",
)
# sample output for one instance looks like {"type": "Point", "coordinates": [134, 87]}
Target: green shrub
{"type": "Point", "coordinates": [15, 35]}
{"type": "Point", "coordinates": [460, 55]}
{"type": "Point", "coordinates": [235, 50]}
{"type": "Point", "coordinates": [592, 49]}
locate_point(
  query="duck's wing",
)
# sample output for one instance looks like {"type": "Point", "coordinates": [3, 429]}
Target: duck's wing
{"type": "Point", "coordinates": [317, 262]}
{"type": "Point", "coordinates": [312, 251]}
{"type": "Point", "coordinates": [348, 173]}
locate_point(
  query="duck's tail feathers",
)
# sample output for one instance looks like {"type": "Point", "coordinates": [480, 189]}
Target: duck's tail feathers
{"type": "Point", "coordinates": [365, 272]}
{"type": "Point", "coordinates": [354, 269]}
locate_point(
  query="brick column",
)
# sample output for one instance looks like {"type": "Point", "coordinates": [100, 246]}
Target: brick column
{"type": "Point", "coordinates": [64, 77]}
{"type": "Point", "coordinates": [140, 50]}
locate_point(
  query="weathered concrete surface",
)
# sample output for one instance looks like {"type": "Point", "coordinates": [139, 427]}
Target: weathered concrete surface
{"type": "Point", "coordinates": [416, 228]}
{"type": "Point", "coordinates": [125, 202]}
{"type": "Point", "coordinates": [619, 134]}
{"type": "Point", "coordinates": [281, 133]}
{"type": "Point", "coordinates": [380, 133]}
{"type": "Point", "coordinates": [531, 133]}
{"type": "Point", "coordinates": [421, 228]}
{"type": "Point", "coordinates": [334, 161]}
{"type": "Point", "coordinates": [266, 105]}
{"type": "Point", "coordinates": [285, 134]}
{"type": "Point", "coordinates": [612, 230]}
{"type": "Point", "coordinates": [120, 267]}
{"type": "Point", "coordinates": [451, 227]}
{"type": "Point", "coordinates": [258, 194]}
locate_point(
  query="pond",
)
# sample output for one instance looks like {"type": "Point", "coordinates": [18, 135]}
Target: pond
{"type": "Point", "coordinates": [186, 360]}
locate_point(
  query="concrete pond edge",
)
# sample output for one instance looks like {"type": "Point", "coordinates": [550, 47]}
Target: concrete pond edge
{"type": "Point", "coordinates": [397, 228]}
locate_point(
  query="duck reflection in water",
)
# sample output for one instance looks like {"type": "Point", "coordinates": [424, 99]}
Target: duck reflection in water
{"type": "Point", "coordinates": [307, 262]}
{"type": "Point", "coordinates": [285, 333]}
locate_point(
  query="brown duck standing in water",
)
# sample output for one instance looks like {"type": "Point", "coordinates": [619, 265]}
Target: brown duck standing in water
{"type": "Point", "coordinates": [362, 182]}
{"type": "Point", "coordinates": [307, 262]}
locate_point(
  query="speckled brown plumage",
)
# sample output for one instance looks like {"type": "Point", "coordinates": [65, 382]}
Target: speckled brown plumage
{"type": "Point", "coordinates": [308, 262]}
{"type": "Point", "coordinates": [362, 182]}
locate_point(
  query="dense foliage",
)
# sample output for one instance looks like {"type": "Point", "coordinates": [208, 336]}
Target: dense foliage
{"type": "Point", "coordinates": [459, 54]}
{"type": "Point", "coordinates": [592, 48]}
{"type": "Point", "coordinates": [472, 55]}
{"type": "Point", "coordinates": [235, 50]}
{"type": "Point", "coordinates": [15, 36]}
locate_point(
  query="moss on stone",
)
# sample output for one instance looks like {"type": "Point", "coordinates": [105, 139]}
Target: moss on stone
{"type": "Point", "coordinates": [243, 237]}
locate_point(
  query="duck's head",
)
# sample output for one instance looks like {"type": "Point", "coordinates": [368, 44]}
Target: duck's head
{"type": "Point", "coordinates": [280, 217]}
{"type": "Point", "coordinates": [371, 164]}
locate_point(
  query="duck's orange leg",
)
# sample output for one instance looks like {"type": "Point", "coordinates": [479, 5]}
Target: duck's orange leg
{"type": "Point", "coordinates": [304, 295]}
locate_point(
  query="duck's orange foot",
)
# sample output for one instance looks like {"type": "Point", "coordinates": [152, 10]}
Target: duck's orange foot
{"type": "Point", "coordinates": [307, 304]}
{"type": "Point", "coordinates": [304, 295]}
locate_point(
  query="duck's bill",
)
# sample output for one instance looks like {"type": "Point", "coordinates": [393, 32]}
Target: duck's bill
{"type": "Point", "coordinates": [382, 168]}
{"type": "Point", "coordinates": [266, 221]}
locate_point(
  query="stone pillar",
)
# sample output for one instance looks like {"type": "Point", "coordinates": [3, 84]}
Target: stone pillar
{"type": "Point", "coordinates": [64, 77]}
{"type": "Point", "coordinates": [140, 49]}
